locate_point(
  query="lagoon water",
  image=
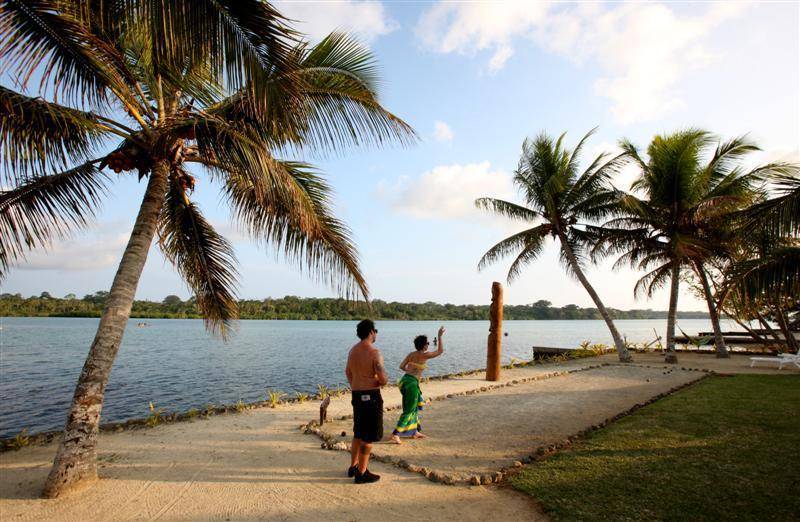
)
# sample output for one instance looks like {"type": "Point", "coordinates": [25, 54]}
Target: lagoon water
{"type": "Point", "coordinates": [175, 364]}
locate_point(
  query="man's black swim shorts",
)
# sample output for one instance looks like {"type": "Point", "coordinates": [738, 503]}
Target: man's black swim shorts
{"type": "Point", "coordinates": [368, 415]}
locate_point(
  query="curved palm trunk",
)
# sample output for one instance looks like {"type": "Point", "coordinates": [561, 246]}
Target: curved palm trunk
{"type": "Point", "coordinates": [672, 357]}
{"type": "Point", "coordinates": [624, 354]}
{"type": "Point", "coordinates": [783, 324]}
{"type": "Point", "coordinates": [75, 461]}
{"type": "Point", "coordinates": [719, 341]}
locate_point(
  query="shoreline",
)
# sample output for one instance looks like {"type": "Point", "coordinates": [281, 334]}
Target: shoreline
{"type": "Point", "coordinates": [138, 423]}
{"type": "Point", "coordinates": [40, 438]}
{"type": "Point", "coordinates": [260, 465]}
{"type": "Point", "coordinates": [199, 317]}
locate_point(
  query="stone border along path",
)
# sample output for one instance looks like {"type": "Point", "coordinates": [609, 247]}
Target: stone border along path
{"type": "Point", "coordinates": [625, 389]}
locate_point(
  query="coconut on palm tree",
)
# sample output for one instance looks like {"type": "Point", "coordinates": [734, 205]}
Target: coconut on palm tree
{"type": "Point", "coordinates": [147, 89]}
{"type": "Point", "coordinates": [559, 202]}
{"type": "Point", "coordinates": [681, 221]}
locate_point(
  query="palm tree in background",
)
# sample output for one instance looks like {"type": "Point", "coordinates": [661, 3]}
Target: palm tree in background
{"type": "Point", "coordinates": [768, 274]}
{"type": "Point", "coordinates": [559, 201]}
{"type": "Point", "coordinates": [224, 84]}
{"type": "Point", "coordinates": [682, 221]}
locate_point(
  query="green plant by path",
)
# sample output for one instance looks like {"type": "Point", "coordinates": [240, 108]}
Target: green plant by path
{"type": "Point", "coordinates": [156, 416]}
{"type": "Point", "coordinates": [723, 449]}
{"type": "Point", "coordinates": [274, 397]}
{"type": "Point", "coordinates": [19, 441]}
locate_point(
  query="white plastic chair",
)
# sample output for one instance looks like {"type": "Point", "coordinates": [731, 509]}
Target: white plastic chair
{"type": "Point", "coordinates": [782, 359]}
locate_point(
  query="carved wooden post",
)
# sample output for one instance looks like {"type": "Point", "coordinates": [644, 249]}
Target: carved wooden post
{"type": "Point", "coordinates": [495, 333]}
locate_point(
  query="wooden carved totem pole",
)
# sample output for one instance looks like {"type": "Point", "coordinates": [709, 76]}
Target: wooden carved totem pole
{"type": "Point", "coordinates": [495, 333]}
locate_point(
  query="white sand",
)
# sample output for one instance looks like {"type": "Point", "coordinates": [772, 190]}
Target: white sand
{"type": "Point", "coordinates": [257, 465]}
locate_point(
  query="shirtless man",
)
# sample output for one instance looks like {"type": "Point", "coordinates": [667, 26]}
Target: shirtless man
{"type": "Point", "coordinates": [366, 374]}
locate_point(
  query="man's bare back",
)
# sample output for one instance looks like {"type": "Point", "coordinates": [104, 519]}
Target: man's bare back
{"type": "Point", "coordinates": [365, 370]}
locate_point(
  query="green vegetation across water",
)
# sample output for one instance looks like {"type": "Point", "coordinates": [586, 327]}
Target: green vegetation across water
{"type": "Point", "coordinates": [725, 449]}
{"type": "Point", "coordinates": [290, 307]}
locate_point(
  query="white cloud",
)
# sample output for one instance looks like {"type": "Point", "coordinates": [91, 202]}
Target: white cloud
{"type": "Point", "coordinates": [467, 28]}
{"type": "Point", "coordinates": [500, 57]}
{"type": "Point", "coordinates": [448, 191]}
{"type": "Point", "coordinates": [367, 18]}
{"type": "Point", "coordinates": [442, 132]}
{"type": "Point", "coordinates": [642, 50]}
{"type": "Point", "coordinates": [100, 247]}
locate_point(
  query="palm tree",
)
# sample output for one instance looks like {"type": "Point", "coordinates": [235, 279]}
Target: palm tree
{"type": "Point", "coordinates": [559, 200]}
{"type": "Point", "coordinates": [768, 275]}
{"type": "Point", "coordinates": [223, 84]}
{"type": "Point", "coordinates": [681, 221]}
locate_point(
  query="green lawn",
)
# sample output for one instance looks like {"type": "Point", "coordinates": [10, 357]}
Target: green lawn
{"type": "Point", "coordinates": [726, 448]}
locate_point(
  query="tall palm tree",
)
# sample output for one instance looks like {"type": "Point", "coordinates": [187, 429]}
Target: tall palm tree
{"type": "Point", "coordinates": [681, 221]}
{"type": "Point", "coordinates": [559, 201]}
{"type": "Point", "coordinates": [223, 84]}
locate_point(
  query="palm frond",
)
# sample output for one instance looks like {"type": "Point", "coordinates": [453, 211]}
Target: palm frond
{"type": "Point", "coordinates": [48, 37]}
{"type": "Point", "coordinates": [241, 40]}
{"type": "Point", "coordinates": [778, 216]}
{"type": "Point", "coordinates": [43, 208]}
{"type": "Point", "coordinates": [653, 280]}
{"type": "Point", "coordinates": [506, 209]}
{"type": "Point", "coordinates": [299, 223]}
{"type": "Point", "coordinates": [727, 156]}
{"type": "Point", "coordinates": [202, 256]}
{"type": "Point", "coordinates": [531, 251]}
{"type": "Point", "coordinates": [37, 136]}
{"type": "Point", "coordinates": [336, 105]}
{"type": "Point", "coordinates": [574, 156]}
{"type": "Point", "coordinates": [774, 276]}
{"type": "Point", "coordinates": [521, 240]}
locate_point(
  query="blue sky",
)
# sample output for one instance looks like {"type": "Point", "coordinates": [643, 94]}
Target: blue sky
{"type": "Point", "coordinates": [474, 80]}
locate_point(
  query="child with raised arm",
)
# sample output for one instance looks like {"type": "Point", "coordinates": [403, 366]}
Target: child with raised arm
{"type": "Point", "coordinates": [414, 364]}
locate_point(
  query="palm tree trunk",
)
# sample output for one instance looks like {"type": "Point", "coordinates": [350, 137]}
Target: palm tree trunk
{"type": "Point", "coordinates": [75, 460]}
{"type": "Point", "coordinates": [622, 351]}
{"type": "Point", "coordinates": [719, 341]}
{"type": "Point", "coordinates": [763, 321]}
{"type": "Point", "coordinates": [780, 316]}
{"type": "Point", "coordinates": [671, 357]}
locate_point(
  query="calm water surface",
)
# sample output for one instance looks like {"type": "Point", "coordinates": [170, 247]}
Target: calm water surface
{"type": "Point", "coordinates": [175, 364]}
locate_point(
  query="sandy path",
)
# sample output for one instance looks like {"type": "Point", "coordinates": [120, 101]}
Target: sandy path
{"type": "Point", "coordinates": [476, 435]}
{"type": "Point", "coordinates": [259, 466]}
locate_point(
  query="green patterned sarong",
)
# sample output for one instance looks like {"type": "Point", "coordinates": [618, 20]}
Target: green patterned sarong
{"type": "Point", "coordinates": [408, 423]}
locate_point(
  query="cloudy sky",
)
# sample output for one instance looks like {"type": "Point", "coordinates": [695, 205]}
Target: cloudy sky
{"type": "Point", "coordinates": [474, 79]}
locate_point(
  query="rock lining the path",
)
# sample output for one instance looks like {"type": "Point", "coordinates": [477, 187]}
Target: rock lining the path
{"type": "Point", "coordinates": [331, 439]}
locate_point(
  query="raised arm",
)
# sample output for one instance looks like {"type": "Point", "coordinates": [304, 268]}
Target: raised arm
{"type": "Point", "coordinates": [440, 348]}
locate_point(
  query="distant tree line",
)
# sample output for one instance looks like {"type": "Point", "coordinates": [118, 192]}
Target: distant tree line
{"type": "Point", "coordinates": [312, 308]}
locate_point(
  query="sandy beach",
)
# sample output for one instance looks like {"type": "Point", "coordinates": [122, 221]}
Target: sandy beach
{"type": "Point", "coordinates": [259, 465]}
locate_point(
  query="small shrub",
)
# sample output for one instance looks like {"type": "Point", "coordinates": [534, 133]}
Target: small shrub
{"type": "Point", "coordinates": [192, 414]}
{"type": "Point", "coordinates": [302, 397]}
{"type": "Point", "coordinates": [274, 397]}
{"type": "Point", "coordinates": [240, 406]}
{"type": "Point", "coordinates": [209, 410]}
{"type": "Point", "coordinates": [156, 416]}
{"type": "Point", "coordinates": [323, 391]}
{"type": "Point", "coordinates": [19, 441]}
